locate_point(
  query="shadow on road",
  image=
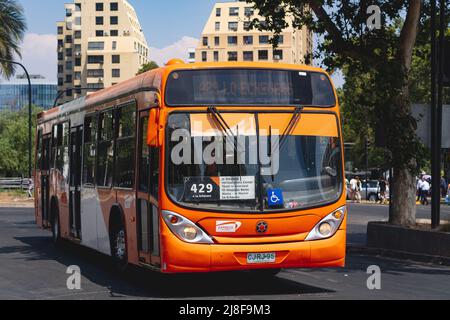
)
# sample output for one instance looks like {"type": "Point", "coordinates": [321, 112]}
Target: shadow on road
{"type": "Point", "coordinates": [139, 283]}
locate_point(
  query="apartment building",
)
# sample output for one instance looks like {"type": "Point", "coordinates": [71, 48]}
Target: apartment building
{"type": "Point", "coordinates": [227, 37]}
{"type": "Point", "coordinates": [100, 43]}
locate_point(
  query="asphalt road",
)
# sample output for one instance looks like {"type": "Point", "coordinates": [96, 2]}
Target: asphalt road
{"type": "Point", "coordinates": [31, 267]}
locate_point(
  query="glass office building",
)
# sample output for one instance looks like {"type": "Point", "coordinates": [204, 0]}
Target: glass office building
{"type": "Point", "coordinates": [14, 93]}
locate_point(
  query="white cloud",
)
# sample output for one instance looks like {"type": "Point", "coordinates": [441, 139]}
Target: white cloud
{"type": "Point", "coordinates": [178, 49]}
{"type": "Point", "coordinates": [39, 55]}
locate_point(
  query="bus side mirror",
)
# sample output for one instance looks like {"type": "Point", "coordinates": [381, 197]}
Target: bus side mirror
{"type": "Point", "coordinates": [152, 136]}
{"type": "Point", "coordinates": [157, 101]}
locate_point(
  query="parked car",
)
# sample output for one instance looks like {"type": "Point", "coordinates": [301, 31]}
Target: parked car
{"type": "Point", "coordinates": [371, 193]}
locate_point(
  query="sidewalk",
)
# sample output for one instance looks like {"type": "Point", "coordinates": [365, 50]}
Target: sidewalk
{"type": "Point", "coordinates": [7, 200]}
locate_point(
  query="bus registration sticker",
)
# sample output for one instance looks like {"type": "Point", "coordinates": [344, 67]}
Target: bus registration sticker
{"type": "Point", "coordinates": [261, 257]}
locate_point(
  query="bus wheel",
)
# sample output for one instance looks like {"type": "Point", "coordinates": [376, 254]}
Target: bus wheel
{"type": "Point", "coordinates": [119, 246]}
{"type": "Point", "coordinates": [56, 235]}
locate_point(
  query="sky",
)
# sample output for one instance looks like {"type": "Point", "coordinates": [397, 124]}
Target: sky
{"type": "Point", "coordinates": [170, 27]}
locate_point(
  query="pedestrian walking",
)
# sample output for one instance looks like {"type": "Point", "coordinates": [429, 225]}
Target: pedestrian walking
{"type": "Point", "coordinates": [353, 185]}
{"type": "Point", "coordinates": [419, 188]}
{"type": "Point", "coordinates": [425, 189]}
{"type": "Point", "coordinates": [383, 186]}
{"type": "Point", "coordinates": [358, 190]}
{"type": "Point", "coordinates": [30, 188]}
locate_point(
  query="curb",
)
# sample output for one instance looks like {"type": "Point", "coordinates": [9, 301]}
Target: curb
{"type": "Point", "coordinates": [401, 255]}
{"type": "Point", "coordinates": [16, 205]}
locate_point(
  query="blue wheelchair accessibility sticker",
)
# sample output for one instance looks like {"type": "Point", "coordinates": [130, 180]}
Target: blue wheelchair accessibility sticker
{"type": "Point", "coordinates": [275, 198]}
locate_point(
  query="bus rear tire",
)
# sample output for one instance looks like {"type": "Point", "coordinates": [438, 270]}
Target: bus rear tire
{"type": "Point", "coordinates": [56, 229]}
{"type": "Point", "coordinates": [118, 242]}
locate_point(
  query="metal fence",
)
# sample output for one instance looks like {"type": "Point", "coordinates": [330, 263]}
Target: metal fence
{"type": "Point", "coordinates": [14, 183]}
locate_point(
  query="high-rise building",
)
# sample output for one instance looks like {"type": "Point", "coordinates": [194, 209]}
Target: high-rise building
{"type": "Point", "coordinates": [100, 43]}
{"type": "Point", "coordinates": [14, 93]}
{"type": "Point", "coordinates": [227, 37]}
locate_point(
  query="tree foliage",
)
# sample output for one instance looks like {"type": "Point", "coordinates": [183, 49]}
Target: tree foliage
{"type": "Point", "coordinates": [12, 29]}
{"type": "Point", "coordinates": [14, 141]}
{"type": "Point", "coordinates": [147, 67]}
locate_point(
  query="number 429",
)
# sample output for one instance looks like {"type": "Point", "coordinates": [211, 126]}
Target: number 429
{"type": "Point", "coordinates": [200, 188]}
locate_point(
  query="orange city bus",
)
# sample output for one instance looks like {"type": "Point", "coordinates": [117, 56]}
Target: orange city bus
{"type": "Point", "coordinates": [199, 167]}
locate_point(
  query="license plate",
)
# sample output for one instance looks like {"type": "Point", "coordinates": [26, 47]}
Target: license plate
{"type": "Point", "coordinates": [262, 257]}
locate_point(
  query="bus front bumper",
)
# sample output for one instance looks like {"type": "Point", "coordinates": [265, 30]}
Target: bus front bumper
{"type": "Point", "coordinates": [179, 256]}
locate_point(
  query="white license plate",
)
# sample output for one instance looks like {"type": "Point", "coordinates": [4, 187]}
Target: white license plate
{"type": "Point", "coordinates": [262, 257]}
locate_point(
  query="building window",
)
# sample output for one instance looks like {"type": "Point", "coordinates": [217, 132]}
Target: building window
{"type": "Point", "coordinates": [77, 34]}
{"type": "Point", "coordinates": [60, 68]}
{"type": "Point", "coordinates": [233, 26]}
{"type": "Point", "coordinates": [234, 11]}
{"type": "Point", "coordinates": [68, 65]}
{"type": "Point", "coordinates": [96, 45]}
{"type": "Point", "coordinates": [78, 21]}
{"type": "Point", "coordinates": [114, 20]}
{"type": "Point", "coordinates": [205, 41]}
{"type": "Point", "coordinates": [95, 59]}
{"type": "Point", "coordinates": [60, 56]}
{"type": "Point", "coordinates": [68, 12]}
{"type": "Point", "coordinates": [99, 21]}
{"type": "Point", "coordinates": [77, 75]}
{"type": "Point", "coordinates": [204, 56]}
{"type": "Point", "coordinates": [68, 39]}
{"type": "Point", "coordinates": [248, 40]}
{"type": "Point", "coordinates": [95, 73]}
{"type": "Point", "coordinates": [68, 52]}
{"type": "Point", "coordinates": [218, 12]}
{"type": "Point", "coordinates": [69, 93]}
{"type": "Point", "coordinates": [114, 33]}
{"type": "Point", "coordinates": [115, 58]}
{"type": "Point", "coordinates": [60, 82]}
{"type": "Point", "coordinates": [248, 55]}
{"type": "Point", "coordinates": [99, 33]}
{"type": "Point", "coordinates": [278, 55]}
{"type": "Point", "coordinates": [249, 11]}
{"type": "Point", "coordinates": [99, 6]}
{"type": "Point", "coordinates": [77, 62]}
{"type": "Point", "coordinates": [116, 73]}
{"type": "Point", "coordinates": [68, 78]}
{"type": "Point", "coordinates": [60, 43]}
{"type": "Point", "coordinates": [232, 56]}
{"type": "Point", "coordinates": [216, 41]}
{"type": "Point", "coordinates": [217, 26]}
{"type": "Point", "coordinates": [263, 39]}
{"type": "Point", "coordinates": [232, 40]}
{"type": "Point", "coordinates": [114, 6]}
{"type": "Point", "coordinates": [114, 45]}
{"type": "Point", "coordinates": [246, 25]}
{"type": "Point", "coordinates": [263, 55]}
{"type": "Point", "coordinates": [216, 56]}
{"type": "Point", "coordinates": [60, 30]}
{"type": "Point", "coordinates": [95, 86]}
{"type": "Point", "coordinates": [77, 7]}
{"type": "Point", "coordinates": [280, 39]}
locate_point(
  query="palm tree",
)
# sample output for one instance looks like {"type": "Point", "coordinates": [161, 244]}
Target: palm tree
{"type": "Point", "coordinates": [12, 29]}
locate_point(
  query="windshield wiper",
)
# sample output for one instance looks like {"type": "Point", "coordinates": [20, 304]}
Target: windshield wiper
{"type": "Point", "coordinates": [291, 126]}
{"type": "Point", "coordinates": [224, 126]}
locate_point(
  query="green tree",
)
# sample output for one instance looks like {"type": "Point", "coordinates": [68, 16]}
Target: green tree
{"type": "Point", "coordinates": [12, 29]}
{"type": "Point", "coordinates": [384, 55]}
{"type": "Point", "coordinates": [14, 141]}
{"type": "Point", "coordinates": [147, 67]}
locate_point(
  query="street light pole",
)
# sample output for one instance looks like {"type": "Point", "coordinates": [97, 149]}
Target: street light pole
{"type": "Point", "coordinates": [61, 92]}
{"type": "Point", "coordinates": [30, 143]}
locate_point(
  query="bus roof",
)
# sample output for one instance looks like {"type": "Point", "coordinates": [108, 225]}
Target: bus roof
{"type": "Point", "coordinates": [149, 80]}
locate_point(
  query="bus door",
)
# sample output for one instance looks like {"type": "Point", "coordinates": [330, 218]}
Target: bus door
{"type": "Point", "coordinates": [45, 179]}
{"type": "Point", "coordinates": [76, 145]}
{"type": "Point", "coordinates": [147, 196]}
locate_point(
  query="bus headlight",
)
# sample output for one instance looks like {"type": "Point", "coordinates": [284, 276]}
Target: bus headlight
{"type": "Point", "coordinates": [185, 229]}
{"type": "Point", "coordinates": [328, 226]}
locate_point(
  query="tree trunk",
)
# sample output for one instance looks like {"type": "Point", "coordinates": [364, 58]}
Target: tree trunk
{"type": "Point", "coordinates": [403, 198]}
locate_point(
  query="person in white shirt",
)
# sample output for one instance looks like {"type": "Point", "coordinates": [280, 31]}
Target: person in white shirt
{"type": "Point", "coordinates": [425, 188]}
{"type": "Point", "coordinates": [353, 187]}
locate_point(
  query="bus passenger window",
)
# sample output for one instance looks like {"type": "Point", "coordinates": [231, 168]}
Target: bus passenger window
{"type": "Point", "coordinates": [124, 167]}
{"type": "Point", "coordinates": [144, 156]}
{"type": "Point", "coordinates": [89, 148]}
{"type": "Point", "coordinates": [154, 173]}
{"type": "Point", "coordinates": [105, 149]}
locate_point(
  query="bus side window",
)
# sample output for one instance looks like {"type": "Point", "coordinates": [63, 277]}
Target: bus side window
{"type": "Point", "coordinates": [39, 160]}
{"type": "Point", "coordinates": [144, 159]}
{"type": "Point", "coordinates": [105, 152]}
{"type": "Point", "coordinates": [125, 150]}
{"type": "Point", "coordinates": [89, 149]}
{"type": "Point", "coordinates": [154, 173]}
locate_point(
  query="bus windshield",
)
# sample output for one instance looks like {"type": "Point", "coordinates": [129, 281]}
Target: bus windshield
{"type": "Point", "coordinates": [248, 87]}
{"type": "Point", "coordinates": [250, 167]}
